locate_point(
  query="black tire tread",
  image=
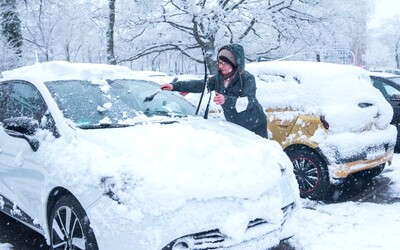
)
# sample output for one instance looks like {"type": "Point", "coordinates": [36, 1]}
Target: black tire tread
{"type": "Point", "coordinates": [322, 188]}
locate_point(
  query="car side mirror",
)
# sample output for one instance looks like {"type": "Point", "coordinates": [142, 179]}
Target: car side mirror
{"type": "Point", "coordinates": [395, 97]}
{"type": "Point", "coordinates": [22, 127]}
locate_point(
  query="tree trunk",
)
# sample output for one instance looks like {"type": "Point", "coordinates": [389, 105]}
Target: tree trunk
{"type": "Point", "coordinates": [397, 54]}
{"type": "Point", "coordinates": [110, 34]}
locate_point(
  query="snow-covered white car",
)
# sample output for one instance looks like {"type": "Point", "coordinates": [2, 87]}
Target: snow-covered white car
{"type": "Point", "coordinates": [92, 160]}
{"type": "Point", "coordinates": [328, 118]}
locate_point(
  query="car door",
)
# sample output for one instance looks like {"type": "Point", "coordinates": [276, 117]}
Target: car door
{"type": "Point", "coordinates": [391, 92]}
{"type": "Point", "coordinates": [394, 100]}
{"type": "Point", "coordinates": [21, 177]}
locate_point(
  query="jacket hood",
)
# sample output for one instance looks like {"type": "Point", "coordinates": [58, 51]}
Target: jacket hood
{"type": "Point", "coordinates": [238, 52]}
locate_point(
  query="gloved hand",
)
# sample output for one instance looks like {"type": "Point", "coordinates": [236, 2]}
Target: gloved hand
{"type": "Point", "coordinates": [219, 98]}
{"type": "Point", "coordinates": [167, 86]}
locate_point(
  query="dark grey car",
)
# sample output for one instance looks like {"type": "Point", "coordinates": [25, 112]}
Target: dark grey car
{"type": "Point", "coordinates": [389, 86]}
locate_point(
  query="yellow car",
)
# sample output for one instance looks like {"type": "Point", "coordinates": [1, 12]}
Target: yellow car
{"type": "Point", "coordinates": [328, 118]}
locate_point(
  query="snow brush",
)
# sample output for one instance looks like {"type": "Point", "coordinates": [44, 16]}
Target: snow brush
{"type": "Point", "coordinates": [150, 97]}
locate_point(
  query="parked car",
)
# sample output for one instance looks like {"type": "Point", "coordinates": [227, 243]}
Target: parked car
{"type": "Point", "coordinates": [389, 85]}
{"type": "Point", "coordinates": [387, 70]}
{"type": "Point", "coordinates": [328, 119]}
{"type": "Point", "coordinates": [94, 158]}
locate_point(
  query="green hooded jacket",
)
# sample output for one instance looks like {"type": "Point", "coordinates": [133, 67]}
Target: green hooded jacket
{"type": "Point", "coordinates": [243, 84]}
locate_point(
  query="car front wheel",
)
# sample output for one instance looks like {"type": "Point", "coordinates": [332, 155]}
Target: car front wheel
{"type": "Point", "coordinates": [70, 226]}
{"type": "Point", "coordinates": [311, 173]}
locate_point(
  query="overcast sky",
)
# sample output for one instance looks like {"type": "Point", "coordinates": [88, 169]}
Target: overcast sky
{"type": "Point", "coordinates": [383, 10]}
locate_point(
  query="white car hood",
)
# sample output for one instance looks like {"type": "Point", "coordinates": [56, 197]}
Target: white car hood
{"type": "Point", "coordinates": [161, 167]}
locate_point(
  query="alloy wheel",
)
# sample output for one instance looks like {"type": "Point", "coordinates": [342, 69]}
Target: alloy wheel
{"type": "Point", "coordinates": [306, 174]}
{"type": "Point", "coordinates": [67, 232]}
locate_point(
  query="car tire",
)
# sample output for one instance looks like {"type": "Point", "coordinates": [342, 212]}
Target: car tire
{"type": "Point", "coordinates": [370, 173]}
{"type": "Point", "coordinates": [70, 226]}
{"type": "Point", "coordinates": [311, 173]}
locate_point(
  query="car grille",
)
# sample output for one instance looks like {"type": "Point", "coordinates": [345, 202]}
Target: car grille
{"type": "Point", "coordinates": [214, 239]}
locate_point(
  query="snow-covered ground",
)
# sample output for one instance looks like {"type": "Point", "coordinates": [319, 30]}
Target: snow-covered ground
{"type": "Point", "coordinates": [351, 225]}
{"type": "Point", "coordinates": [5, 246]}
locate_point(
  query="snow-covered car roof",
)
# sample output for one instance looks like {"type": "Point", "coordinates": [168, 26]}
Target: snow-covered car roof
{"type": "Point", "coordinates": [387, 70]}
{"type": "Point", "coordinates": [308, 84]}
{"type": "Point", "coordinates": [62, 70]}
{"type": "Point", "coordinates": [382, 74]}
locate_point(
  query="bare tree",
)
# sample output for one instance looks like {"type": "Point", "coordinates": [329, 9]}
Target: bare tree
{"type": "Point", "coordinates": [384, 44]}
{"type": "Point", "coordinates": [11, 29]}
{"type": "Point", "coordinates": [391, 37]}
{"type": "Point", "coordinates": [40, 30]}
{"type": "Point", "coordinates": [204, 25]}
{"type": "Point", "coordinates": [62, 30]}
{"type": "Point", "coordinates": [178, 35]}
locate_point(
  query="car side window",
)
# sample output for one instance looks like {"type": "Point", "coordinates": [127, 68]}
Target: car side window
{"type": "Point", "coordinates": [3, 95]}
{"type": "Point", "coordinates": [390, 90]}
{"type": "Point", "coordinates": [24, 100]}
{"type": "Point", "coordinates": [380, 86]}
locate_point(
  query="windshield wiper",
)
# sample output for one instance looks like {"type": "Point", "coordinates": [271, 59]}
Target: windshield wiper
{"type": "Point", "coordinates": [117, 125]}
{"type": "Point", "coordinates": [105, 125]}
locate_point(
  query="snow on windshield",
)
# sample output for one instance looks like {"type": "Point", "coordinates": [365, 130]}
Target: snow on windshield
{"type": "Point", "coordinates": [88, 94]}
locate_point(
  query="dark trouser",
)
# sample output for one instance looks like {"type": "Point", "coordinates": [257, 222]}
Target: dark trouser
{"type": "Point", "coordinates": [261, 130]}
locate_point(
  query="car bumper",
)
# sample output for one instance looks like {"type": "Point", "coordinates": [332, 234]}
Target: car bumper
{"type": "Point", "coordinates": [196, 225]}
{"type": "Point", "coordinates": [364, 151]}
{"type": "Point", "coordinates": [258, 233]}
{"type": "Point", "coordinates": [343, 170]}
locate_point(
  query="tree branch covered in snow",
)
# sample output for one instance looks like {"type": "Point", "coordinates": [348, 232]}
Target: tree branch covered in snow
{"type": "Point", "coordinates": [178, 35]}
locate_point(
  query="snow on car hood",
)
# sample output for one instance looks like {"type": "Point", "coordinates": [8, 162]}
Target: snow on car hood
{"type": "Point", "coordinates": [159, 168]}
{"type": "Point", "coordinates": [343, 94]}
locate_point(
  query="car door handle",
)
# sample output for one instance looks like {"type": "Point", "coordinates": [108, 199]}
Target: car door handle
{"type": "Point", "coordinates": [282, 124]}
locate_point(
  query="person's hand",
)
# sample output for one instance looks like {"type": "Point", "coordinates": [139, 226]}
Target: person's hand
{"type": "Point", "coordinates": [167, 86]}
{"type": "Point", "coordinates": [219, 98]}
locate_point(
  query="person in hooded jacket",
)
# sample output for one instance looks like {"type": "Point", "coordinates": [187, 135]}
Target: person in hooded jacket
{"type": "Point", "coordinates": [235, 90]}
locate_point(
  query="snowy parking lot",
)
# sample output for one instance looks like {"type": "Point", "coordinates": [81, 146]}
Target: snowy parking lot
{"type": "Point", "coordinates": [353, 224]}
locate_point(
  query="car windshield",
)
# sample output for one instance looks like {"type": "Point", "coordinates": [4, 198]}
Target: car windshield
{"type": "Point", "coordinates": [395, 79]}
{"type": "Point", "coordinates": [115, 102]}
